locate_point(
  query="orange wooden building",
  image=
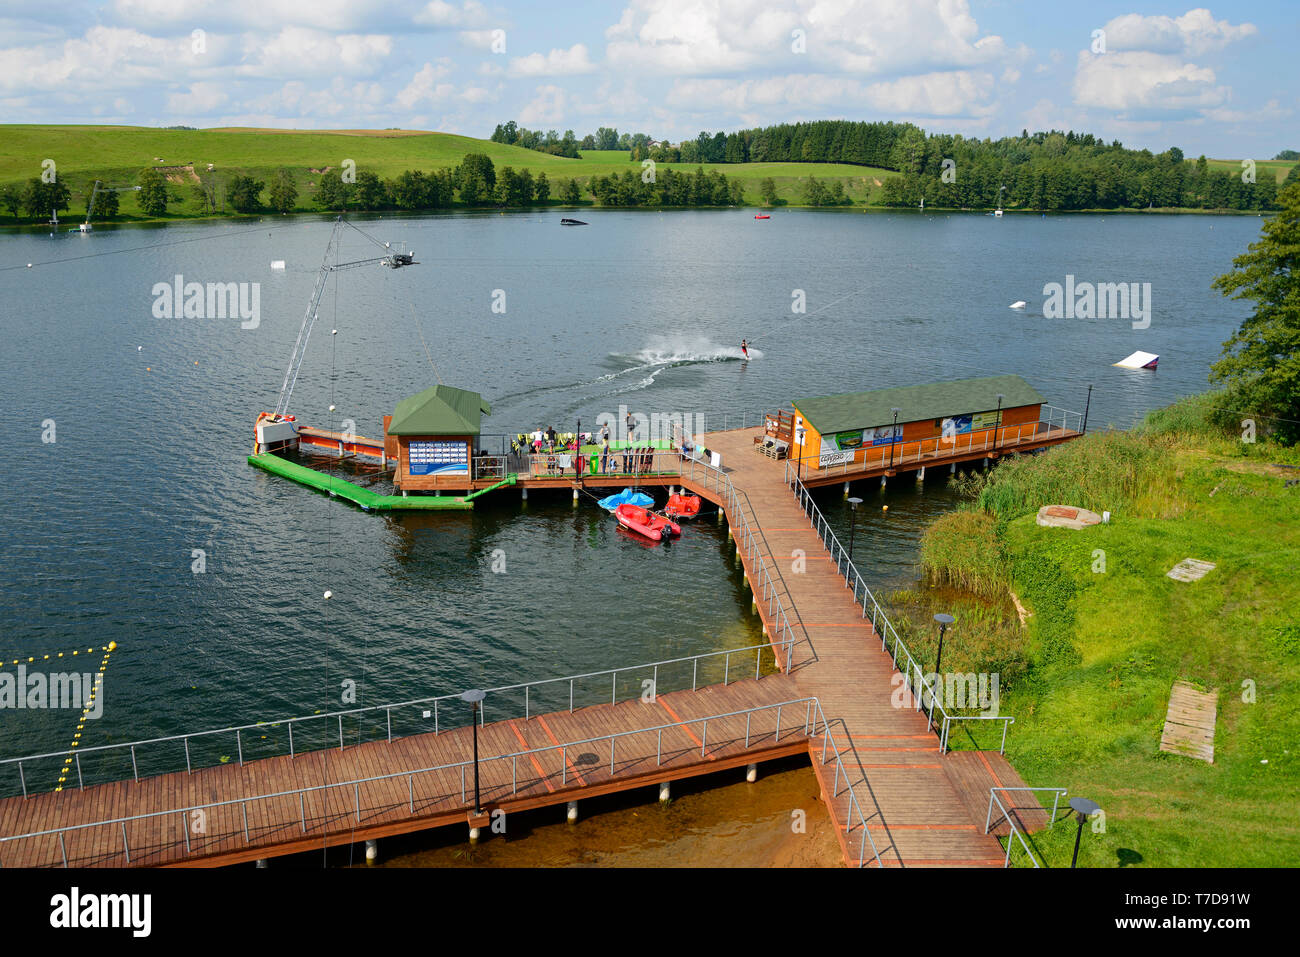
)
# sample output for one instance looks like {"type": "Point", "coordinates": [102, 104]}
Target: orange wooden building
{"type": "Point", "coordinates": [433, 436]}
{"type": "Point", "coordinates": [859, 427]}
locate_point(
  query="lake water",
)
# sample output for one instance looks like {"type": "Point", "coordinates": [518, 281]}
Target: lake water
{"type": "Point", "coordinates": [154, 420]}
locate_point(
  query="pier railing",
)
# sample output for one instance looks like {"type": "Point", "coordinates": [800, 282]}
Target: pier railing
{"type": "Point", "coordinates": [813, 719]}
{"type": "Point", "coordinates": [241, 743]}
{"type": "Point", "coordinates": [923, 686]}
{"type": "Point", "coordinates": [766, 581]}
{"type": "Point", "coordinates": [1013, 830]}
{"type": "Point", "coordinates": [909, 455]}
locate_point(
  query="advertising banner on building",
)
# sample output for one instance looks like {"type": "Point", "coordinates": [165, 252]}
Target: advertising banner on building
{"type": "Point", "coordinates": [882, 435]}
{"type": "Point", "coordinates": [438, 458]}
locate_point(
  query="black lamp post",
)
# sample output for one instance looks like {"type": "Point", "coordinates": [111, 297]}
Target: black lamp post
{"type": "Point", "coordinates": [1083, 809]}
{"type": "Point", "coordinates": [893, 436]}
{"type": "Point", "coordinates": [853, 515]}
{"type": "Point", "coordinates": [474, 699]}
{"type": "Point", "coordinates": [997, 421]}
{"type": "Point", "coordinates": [1086, 405]}
{"type": "Point", "coordinates": [944, 621]}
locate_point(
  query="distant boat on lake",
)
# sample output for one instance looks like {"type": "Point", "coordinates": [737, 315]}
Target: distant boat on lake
{"type": "Point", "coordinates": [572, 222]}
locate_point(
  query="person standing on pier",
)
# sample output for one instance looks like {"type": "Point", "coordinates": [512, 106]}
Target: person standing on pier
{"type": "Point", "coordinates": [604, 453]}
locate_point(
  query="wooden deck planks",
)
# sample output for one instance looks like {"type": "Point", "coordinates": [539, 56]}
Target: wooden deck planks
{"type": "Point", "coordinates": [1189, 722]}
{"type": "Point", "coordinates": [274, 824]}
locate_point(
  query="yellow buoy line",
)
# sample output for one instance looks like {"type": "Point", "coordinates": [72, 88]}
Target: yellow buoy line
{"type": "Point", "coordinates": [89, 706]}
{"type": "Point", "coordinates": [111, 646]}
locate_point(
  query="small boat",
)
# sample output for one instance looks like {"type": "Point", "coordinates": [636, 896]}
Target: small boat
{"type": "Point", "coordinates": [626, 497]}
{"type": "Point", "coordinates": [1019, 304]}
{"type": "Point", "coordinates": [762, 216]}
{"type": "Point", "coordinates": [682, 506]}
{"type": "Point", "coordinates": [654, 527]}
{"type": "Point", "coordinates": [572, 222]}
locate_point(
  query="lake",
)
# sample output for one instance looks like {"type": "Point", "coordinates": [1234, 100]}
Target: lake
{"type": "Point", "coordinates": [153, 419]}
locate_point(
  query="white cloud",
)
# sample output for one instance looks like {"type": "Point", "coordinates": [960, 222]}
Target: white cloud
{"type": "Point", "coordinates": [570, 62]}
{"type": "Point", "coordinates": [298, 51]}
{"type": "Point", "coordinates": [426, 85]}
{"type": "Point", "coordinates": [202, 99]}
{"type": "Point", "coordinates": [549, 105]}
{"type": "Point", "coordinates": [955, 93]}
{"type": "Point", "coordinates": [440, 14]}
{"type": "Point", "coordinates": [869, 37]}
{"type": "Point", "coordinates": [1195, 32]}
{"type": "Point", "coordinates": [1143, 82]}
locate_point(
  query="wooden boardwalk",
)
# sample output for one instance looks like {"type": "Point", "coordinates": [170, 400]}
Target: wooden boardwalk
{"type": "Point", "coordinates": [921, 807]}
{"type": "Point", "coordinates": [333, 812]}
{"type": "Point", "coordinates": [916, 814]}
{"type": "Point", "coordinates": [1189, 722]}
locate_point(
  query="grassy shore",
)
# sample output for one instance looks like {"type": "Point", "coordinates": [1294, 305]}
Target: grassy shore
{"type": "Point", "coordinates": [1088, 679]}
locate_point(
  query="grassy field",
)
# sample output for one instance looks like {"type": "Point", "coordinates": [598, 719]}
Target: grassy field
{"type": "Point", "coordinates": [1109, 633]}
{"type": "Point", "coordinates": [1279, 168]}
{"type": "Point", "coordinates": [116, 154]}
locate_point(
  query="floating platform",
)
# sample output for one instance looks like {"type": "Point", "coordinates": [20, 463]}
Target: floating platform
{"type": "Point", "coordinates": [368, 500]}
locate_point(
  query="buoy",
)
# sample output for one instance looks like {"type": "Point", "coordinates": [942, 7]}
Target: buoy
{"type": "Point", "coordinates": [884, 508]}
{"type": "Point", "coordinates": [139, 348]}
{"type": "Point", "coordinates": [328, 595]}
{"type": "Point", "coordinates": [334, 332]}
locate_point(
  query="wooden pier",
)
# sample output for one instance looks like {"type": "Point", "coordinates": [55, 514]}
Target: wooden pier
{"type": "Point", "coordinates": [897, 796]}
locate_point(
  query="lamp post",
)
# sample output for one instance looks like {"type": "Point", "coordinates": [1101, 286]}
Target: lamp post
{"type": "Point", "coordinates": [997, 421]}
{"type": "Point", "coordinates": [1083, 809]}
{"type": "Point", "coordinates": [577, 453]}
{"type": "Point", "coordinates": [474, 699]}
{"type": "Point", "coordinates": [853, 515]}
{"type": "Point", "coordinates": [893, 436]}
{"type": "Point", "coordinates": [944, 621]}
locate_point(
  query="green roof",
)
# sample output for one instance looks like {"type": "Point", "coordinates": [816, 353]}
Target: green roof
{"type": "Point", "coordinates": [440, 410]}
{"type": "Point", "coordinates": [863, 410]}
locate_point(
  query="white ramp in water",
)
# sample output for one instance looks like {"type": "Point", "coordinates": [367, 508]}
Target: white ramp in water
{"type": "Point", "coordinates": [1139, 360]}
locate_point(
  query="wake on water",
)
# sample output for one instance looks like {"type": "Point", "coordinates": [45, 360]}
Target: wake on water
{"type": "Point", "coordinates": [660, 354]}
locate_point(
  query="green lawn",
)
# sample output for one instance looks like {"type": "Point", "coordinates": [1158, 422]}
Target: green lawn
{"type": "Point", "coordinates": [1279, 168]}
{"type": "Point", "coordinates": [1104, 648]}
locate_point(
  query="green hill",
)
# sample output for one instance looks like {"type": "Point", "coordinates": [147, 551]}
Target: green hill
{"type": "Point", "coordinates": [116, 154]}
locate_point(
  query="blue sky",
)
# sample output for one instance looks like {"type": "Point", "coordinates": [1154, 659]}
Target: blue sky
{"type": "Point", "coordinates": [1220, 81]}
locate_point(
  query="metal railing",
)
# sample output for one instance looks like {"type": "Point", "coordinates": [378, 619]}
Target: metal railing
{"type": "Point", "coordinates": [913, 454]}
{"type": "Point", "coordinates": [922, 686]}
{"type": "Point", "coordinates": [811, 722]}
{"type": "Point", "coordinates": [1058, 793]}
{"type": "Point", "coordinates": [770, 585]}
{"type": "Point", "coordinates": [528, 694]}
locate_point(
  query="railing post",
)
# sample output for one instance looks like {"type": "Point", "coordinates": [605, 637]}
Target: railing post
{"type": "Point", "coordinates": [64, 851]}
{"type": "Point", "coordinates": [356, 800]}
{"type": "Point", "coordinates": [526, 689]}
{"type": "Point", "coordinates": [81, 784]}
{"type": "Point", "coordinates": [389, 712]}
{"type": "Point", "coordinates": [613, 699]}
{"type": "Point", "coordinates": [239, 743]}
{"type": "Point", "coordinates": [302, 811]}
{"type": "Point", "coordinates": [243, 806]}
{"type": "Point", "coordinates": [726, 668]}
{"type": "Point", "coordinates": [659, 749]}
{"type": "Point", "coordinates": [125, 846]}
{"type": "Point", "coordinates": [570, 696]}
{"type": "Point", "coordinates": [704, 738]}
{"type": "Point", "coordinates": [135, 769]}
{"type": "Point", "coordinates": [340, 732]}
{"type": "Point", "coordinates": [187, 747]}
{"type": "Point", "coordinates": [185, 829]}
{"type": "Point", "coordinates": [22, 779]}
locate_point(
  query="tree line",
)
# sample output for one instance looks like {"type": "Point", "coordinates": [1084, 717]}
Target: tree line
{"type": "Point", "coordinates": [666, 188]}
{"type": "Point", "coordinates": [1065, 171]}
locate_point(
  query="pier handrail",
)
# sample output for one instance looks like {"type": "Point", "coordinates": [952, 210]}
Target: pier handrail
{"type": "Point", "coordinates": [1015, 831]}
{"type": "Point", "coordinates": [747, 532]}
{"type": "Point", "coordinates": [921, 688]}
{"type": "Point", "coordinates": [938, 449]}
{"type": "Point", "coordinates": [527, 687]}
{"type": "Point", "coordinates": [809, 730]}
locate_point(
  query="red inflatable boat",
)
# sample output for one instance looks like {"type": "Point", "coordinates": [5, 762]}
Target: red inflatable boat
{"type": "Point", "coordinates": [647, 523]}
{"type": "Point", "coordinates": [761, 216]}
{"type": "Point", "coordinates": [682, 506]}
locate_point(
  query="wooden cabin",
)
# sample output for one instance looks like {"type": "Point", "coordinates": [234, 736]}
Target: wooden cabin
{"type": "Point", "coordinates": [832, 430]}
{"type": "Point", "coordinates": [432, 436]}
